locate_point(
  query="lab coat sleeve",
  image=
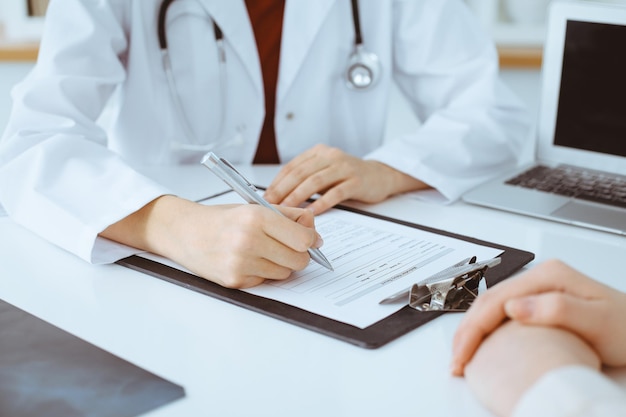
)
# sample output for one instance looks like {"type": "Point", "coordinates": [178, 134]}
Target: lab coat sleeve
{"type": "Point", "coordinates": [472, 126]}
{"type": "Point", "coordinates": [573, 391]}
{"type": "Point", "coordinates": [57, 178]}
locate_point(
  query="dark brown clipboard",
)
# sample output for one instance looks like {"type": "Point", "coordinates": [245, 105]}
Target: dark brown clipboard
{"type": "Point", "coordinates": [371, 337]}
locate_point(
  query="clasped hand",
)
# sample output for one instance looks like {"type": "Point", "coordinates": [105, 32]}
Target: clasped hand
{"type": "Point", "coordinates": [549, 317]}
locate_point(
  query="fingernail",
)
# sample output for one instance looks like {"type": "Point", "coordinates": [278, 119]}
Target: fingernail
{"type": "Point", "coordinates": [455, 368]}
{"type": "Point", "coordinates": [454, 363]}
{"type": "Point", "coordinates": [521, 308]}
{"type": "Point", "coordinates": [319, 242]}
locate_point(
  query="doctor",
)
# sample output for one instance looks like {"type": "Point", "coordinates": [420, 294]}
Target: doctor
{"type": "Point", "coordinates": [303, 83]}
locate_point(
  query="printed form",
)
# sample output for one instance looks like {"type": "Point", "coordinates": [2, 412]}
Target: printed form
{"type": "Point", "coordinates": [372, 259]}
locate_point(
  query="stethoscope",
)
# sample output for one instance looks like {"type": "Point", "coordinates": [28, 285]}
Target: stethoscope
{"type": "Point", "coordinates": [364, 67]}
{"type": "Point", "coordinates": [362, 71]}
{"type": "Point", "coordinates": [171, 83]}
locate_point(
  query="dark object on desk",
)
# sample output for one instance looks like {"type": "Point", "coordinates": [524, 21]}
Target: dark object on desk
{"type": "Point", "coordinates": [45, 371]}
{"type": "Point", "coordinates": [371, 337]}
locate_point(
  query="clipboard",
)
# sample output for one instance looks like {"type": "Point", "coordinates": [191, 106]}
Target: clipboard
{"type": "Point", "coordinates": [372, 337]}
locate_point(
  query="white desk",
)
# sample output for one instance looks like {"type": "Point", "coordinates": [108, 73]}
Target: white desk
{"type": "Point", "coordinates": [234, 362]}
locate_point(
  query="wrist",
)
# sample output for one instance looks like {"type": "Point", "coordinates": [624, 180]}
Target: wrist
{"type": "Point", "coordinates": [163, 223]}
{"type": "Point", "coordinates": [142, 229]}
{"type": "Point", "coordinates": [515, 356]}
{"type": "Point", "coordinates": [398, 182]}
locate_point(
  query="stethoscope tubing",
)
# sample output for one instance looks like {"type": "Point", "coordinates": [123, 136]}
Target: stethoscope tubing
{"type": "Point", "coordinates": [359, 57]}
{"type": "Point", "coordinates": [362, 72]}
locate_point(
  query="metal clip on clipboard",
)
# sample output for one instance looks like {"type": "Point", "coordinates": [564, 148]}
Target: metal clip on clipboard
{"type": "Point", "coordinates": [453, 289]}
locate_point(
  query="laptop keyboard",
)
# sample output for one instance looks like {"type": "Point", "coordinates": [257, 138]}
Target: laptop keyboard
{"type": "Point", "coordinates": [575, 182]}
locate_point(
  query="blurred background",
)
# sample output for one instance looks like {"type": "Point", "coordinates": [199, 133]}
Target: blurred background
{"type": "Point", "coordinates": [517, 27]}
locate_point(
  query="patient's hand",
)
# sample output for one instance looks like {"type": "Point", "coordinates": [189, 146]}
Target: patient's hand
{"type": "Point", "coordinates": [515, 356]}
{"type": "Point", "coordinates": [552, 295]}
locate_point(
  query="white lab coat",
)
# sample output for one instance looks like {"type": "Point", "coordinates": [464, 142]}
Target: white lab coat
{"type": "Point", "coordinates": [67, 178]}
{"type": "Point", "coordinates": [573, 391]}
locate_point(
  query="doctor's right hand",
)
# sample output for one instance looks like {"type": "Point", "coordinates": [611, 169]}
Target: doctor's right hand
{"type": "Point", "coordinates": [236, 246]}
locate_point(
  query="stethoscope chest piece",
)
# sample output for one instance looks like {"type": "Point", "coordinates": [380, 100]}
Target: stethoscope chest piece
{"type": "Point", "coordinates": [363, 69]}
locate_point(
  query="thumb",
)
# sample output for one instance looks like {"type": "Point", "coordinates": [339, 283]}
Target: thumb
{"type": "Point", "coordinates": [304, 217]}
{"type": "Point", "coordinates": [556, 309]}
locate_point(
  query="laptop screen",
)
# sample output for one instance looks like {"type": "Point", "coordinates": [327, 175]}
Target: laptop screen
{"type": "Point", "coordinates": [592, 100]}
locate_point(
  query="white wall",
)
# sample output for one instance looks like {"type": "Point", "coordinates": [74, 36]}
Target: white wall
{"type": "Point", "coordinates": [526, 84]}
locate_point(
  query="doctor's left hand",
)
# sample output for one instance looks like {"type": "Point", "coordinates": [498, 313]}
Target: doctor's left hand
{"type": "Point", "coordinates": [337, 176]}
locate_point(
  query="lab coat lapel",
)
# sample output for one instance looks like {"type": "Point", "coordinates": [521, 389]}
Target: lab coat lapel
{"type": "Point", "coordinates": [232, 18]}
{"type": "Point", "coordinates": [301, 23]}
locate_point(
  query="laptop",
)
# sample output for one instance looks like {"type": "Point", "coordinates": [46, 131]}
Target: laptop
{"type": "Point", "coordinates": [579, 173]}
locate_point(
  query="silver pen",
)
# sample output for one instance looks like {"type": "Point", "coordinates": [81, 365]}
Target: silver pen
{"type": "Point", "coordinates": [248, 191]}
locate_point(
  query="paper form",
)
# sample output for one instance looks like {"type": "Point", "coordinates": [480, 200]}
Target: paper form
{"type": "Point", "coordinates": [372, 259]}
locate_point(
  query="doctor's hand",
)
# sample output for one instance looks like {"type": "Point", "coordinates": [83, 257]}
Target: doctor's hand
{"type": "Point", "coordinates": [236, 246]}
{"type": "Point", "coordinates": [515, 356]}
{"type": "Point", "coordinates": [337, 176]}
{"type": "Point", "coordinates": [552, 295]}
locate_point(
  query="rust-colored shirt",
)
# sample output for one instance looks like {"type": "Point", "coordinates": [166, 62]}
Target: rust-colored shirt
{"type": "Point", "coordinates": [266, 17]}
